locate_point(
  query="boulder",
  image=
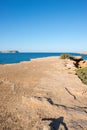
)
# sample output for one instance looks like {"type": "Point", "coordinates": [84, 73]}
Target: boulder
{"type": "Point", "coordinates": [77, 58]}
{"type": "Point", "coordinates": [70, 64]}
{"type": "Point", "coordinates": [83, 64]}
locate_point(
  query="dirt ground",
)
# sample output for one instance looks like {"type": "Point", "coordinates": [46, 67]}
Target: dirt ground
{"type": "Point", "coordinates": [43, 94]}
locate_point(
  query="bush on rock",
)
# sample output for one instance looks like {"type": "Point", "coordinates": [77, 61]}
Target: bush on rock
{"type": "Point", "coordinates": [66, 56]}
{"type": "Point", "coordinates": [82, 74]}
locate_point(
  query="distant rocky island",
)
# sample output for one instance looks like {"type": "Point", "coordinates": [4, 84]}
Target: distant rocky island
{"type": "Point", "coordinates": [10, 51]}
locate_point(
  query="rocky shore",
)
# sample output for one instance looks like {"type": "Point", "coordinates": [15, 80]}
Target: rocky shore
{"type": "Point", "coordinates": [43, 94]}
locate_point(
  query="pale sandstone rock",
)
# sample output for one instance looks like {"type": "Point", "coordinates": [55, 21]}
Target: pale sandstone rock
{"type": "Point", "coordinates": [83, 64]}
{"type": "Point", "coordinates": [70, 64]}
{"type": "Point", "coordinates": [77, 58]}
{"type": "Point", "coordinates": [46, 89]}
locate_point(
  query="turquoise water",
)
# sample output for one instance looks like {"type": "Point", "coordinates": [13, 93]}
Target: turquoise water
{"type": "Point", "coordinates": [8, 58]}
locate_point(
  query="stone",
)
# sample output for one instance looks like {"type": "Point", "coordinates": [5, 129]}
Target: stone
{"type": "Point", "coordinates": [83, 63]}
{"type": "Point", "coordinates": [70, 64]}
{"type": "Point", "coordinates": [77, 58]}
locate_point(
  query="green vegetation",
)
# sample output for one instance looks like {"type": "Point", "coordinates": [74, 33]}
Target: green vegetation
{"type": "Point", "coordinates": [82, 74]}
{"type": "Point", "coordinates": [66, 56]}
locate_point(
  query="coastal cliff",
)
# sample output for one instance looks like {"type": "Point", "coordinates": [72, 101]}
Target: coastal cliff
{"type": "Point", "coordinates": [43, 94]}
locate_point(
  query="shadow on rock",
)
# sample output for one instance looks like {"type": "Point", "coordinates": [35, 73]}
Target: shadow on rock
{"type": "Point", "coordinates": [56, 123]}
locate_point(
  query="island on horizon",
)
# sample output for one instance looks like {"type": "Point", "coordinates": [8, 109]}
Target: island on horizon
{"type": "Point", "coordinates": [9, 51]}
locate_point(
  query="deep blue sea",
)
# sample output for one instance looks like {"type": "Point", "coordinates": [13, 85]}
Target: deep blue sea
{"type": "Point", "coordinates": [9, 58]}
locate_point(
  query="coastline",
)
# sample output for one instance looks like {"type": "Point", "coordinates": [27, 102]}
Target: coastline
{"type": "Point", "coordinates": [33, 59]}
{"type": "Point", "coordinates": [19, 57]}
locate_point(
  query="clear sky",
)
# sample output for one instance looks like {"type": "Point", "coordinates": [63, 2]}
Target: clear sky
{"type": "Point", "coordinates": [43, 25]}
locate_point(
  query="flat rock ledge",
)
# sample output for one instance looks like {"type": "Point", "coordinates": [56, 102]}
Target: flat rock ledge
{"type": "Point", "coordinates": [43, 94]}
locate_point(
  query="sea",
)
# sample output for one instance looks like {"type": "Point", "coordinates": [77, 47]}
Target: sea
{"type": "Point", "coordinates": [11, 58]}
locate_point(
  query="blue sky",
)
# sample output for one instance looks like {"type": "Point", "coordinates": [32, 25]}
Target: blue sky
{"type": "Point", "coordinates": [43, 25]}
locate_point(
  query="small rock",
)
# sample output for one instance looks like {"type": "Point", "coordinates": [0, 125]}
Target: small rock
{"type": "Point", "coordinates": [70, 64]}
{"type": "Point", "coordinates": [77, 58]}
{"type": "Point", "coordinates": [83, 63]}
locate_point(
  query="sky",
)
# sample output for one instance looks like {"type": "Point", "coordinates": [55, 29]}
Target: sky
{"type": "Point", "coordinates": [43, 25]}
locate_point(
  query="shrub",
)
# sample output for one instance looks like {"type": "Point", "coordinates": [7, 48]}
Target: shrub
{"type": "Point", "coordinates": [82, 74]}
{"type": "Point", "coordinates": [66, 56]}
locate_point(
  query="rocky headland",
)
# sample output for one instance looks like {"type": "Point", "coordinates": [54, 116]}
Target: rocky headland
{"type": "Point", "coordinates": [43, 94]}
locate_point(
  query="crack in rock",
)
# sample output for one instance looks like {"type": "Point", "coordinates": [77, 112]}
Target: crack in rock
{"type": "Point", "coordinates": [70, 93]}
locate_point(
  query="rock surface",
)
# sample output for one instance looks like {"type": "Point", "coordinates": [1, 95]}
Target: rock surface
{"type": "Point", "coordinates": [83, 64]}
{"type": "Point", "coordinates": [43, 94]}
{"type": "Point", "coordinates": [77, 58]}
